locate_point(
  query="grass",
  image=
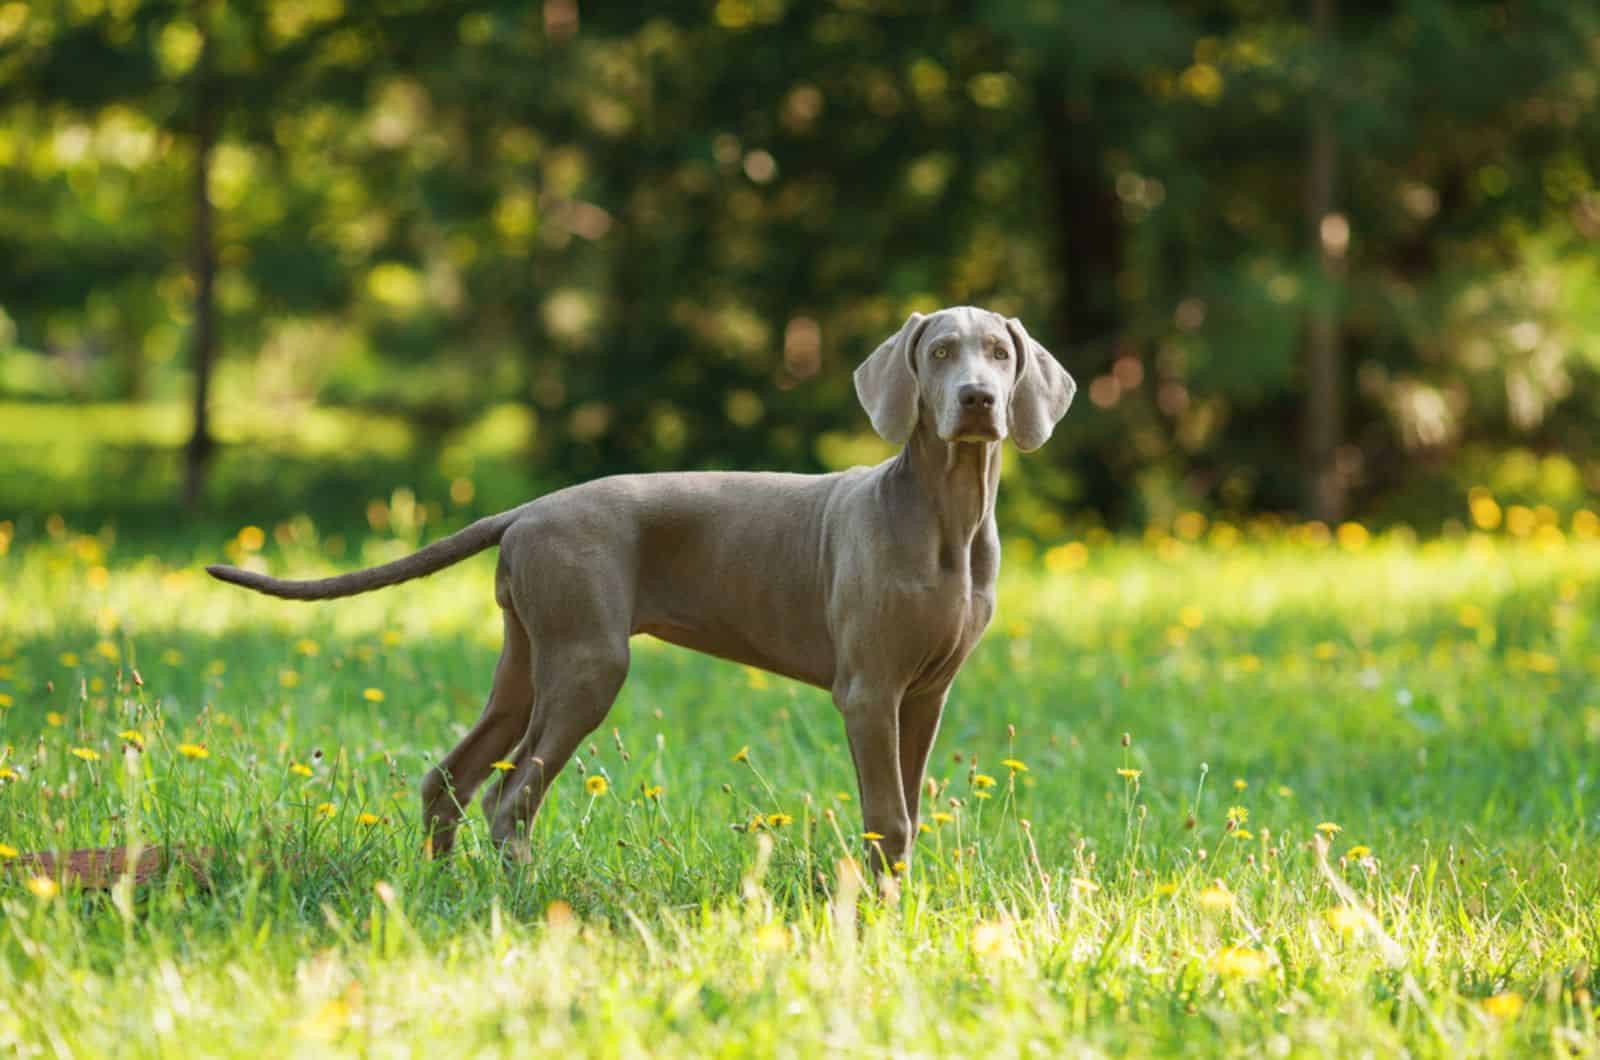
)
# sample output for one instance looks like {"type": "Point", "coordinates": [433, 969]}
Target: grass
{"type": "Point", "coordinates": [1430, 706]}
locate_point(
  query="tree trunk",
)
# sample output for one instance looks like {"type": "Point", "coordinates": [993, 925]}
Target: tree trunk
{"type": "Point", "coordinates": [203, 266]}
{"type": "Point", "coordinates": [1324, 370]}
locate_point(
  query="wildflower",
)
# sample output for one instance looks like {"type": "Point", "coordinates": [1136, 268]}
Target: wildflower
{"type": "Point", "coordinates": [757, 823]}
{"type": "Point", "coordinates": [308, 647]}
{"type": "Point", "coordinates": [980, 795]}
{"type": "Point", "coordinates": [778, 820]}
{"type": "Point", "coordinates": [216, 668]}
{"type": "Point", "coordinates": [1216, 897]}
{"type": "Point", "coordinates": [326, 809]}
{"type": "Point", "coordinates": [502, 766]}
{"type": "Point", "coordinates": [391, 637]}
{"type": "Point", "coordinates": [1166, 890]}
{"type": "Point", "coordinates": [108, 650]}
{"type": "Point", "coordinates": [1357, 852]}
{"type": "Point", "coordinates": [132, 737]}
{"type": "Point", "coordinates": [43, 888]}
{"type": "Point", "coordinates": [1191, 616]}
{"type": "Point", "coordinates": [1238, 815]}
{"type": "Point", "coordinates": [1344, 919]}
{"type": "Point", "coordinates": [924, 828]}
{"type": "Point", "coordinates": [596, 785]}
{"type": "Point", "coordinates": [943, 818]}
{"type": "Point", "coordinates": [982, 780]}
{"type": "Point", "coordinates": [898, 868]}
{"type": "Point", "coordinates": [288, 679]}
{"type": "Point", "coordinates": [54, 720]}
{"type": "Point", "coordinates": [1285, 791]}
{"type": "Point", "coordinates": [1239, 962]}
{"type": "Point", "coordinates": [1242, 833]}
{"type": "Point", "coordinates": [1014, 765]}
{"type": "Point", "coordinates": [1328, 828]}
{"type": "Point", "coordinates": [367, 818]}
{"type": "Point", "coordinates": [300, 769]}
{"type": "Point", "coordinates": [872, 837]}
{"type": "Point", "coordinates": [7, 773]}
{"type": "Point", "coordinates": [88, 754]}
{"type": "Point", "coordinates": [69, 658]}
{"type": "Point", "coordinates": [193, 750]}
{"type": "Point", "coordinates": [843, 796]}
{"type": "Point", "coordinates": [5, 700]}
{"type": "Point", "coordinates": [1325, 650]}
{"type": "Point", "coordinates": [1503, 1006]}
{"type": "Point", "coordinates": [1239, 784]}
{"type": "Point", "coordinates": [742, 754]}
{"type": "Point", "coordinates": [1130, 774]}
{"type": "Point", "coordinates": [7, 852]}
{"type": "Point", "coordinates": [372, 695]}
{"type": "Point", "coordinates": [653, 791]}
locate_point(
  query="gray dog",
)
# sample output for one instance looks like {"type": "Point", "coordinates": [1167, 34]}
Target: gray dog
{"type": "Point", "coordinates": [874, 583]}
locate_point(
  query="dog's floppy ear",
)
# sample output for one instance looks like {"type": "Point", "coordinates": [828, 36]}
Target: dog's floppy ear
{"type": "Point", "coordinates": [886, 384]}
{"type": "Point", "coordinates": [1042, 394]}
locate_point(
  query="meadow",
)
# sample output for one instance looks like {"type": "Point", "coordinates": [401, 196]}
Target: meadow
{"type": "Point", "coordinates": [1219, 790]}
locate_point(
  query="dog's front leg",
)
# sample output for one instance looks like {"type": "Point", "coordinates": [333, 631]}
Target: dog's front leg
{"type": "Point", "coordinates": [872, 725]}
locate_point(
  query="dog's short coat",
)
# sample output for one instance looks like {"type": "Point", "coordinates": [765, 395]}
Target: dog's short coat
{"type": "Point", "coordinates": [874, 583]}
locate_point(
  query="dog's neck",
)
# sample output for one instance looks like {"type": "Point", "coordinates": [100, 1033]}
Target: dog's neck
{"type": "Point", "coordinates": [958, 480]}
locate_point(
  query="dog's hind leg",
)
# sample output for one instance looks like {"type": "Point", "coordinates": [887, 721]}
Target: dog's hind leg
{"type": "Point", "coordinates": [449, 786]}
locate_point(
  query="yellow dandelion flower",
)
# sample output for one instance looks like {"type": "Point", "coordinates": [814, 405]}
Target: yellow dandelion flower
{"type": "Point", "coordinates": [923, 828]}
{"type": "Point", "coordinates": [742, 754]}
{"type": "Point", "coordinates": [372, 695]}
{"type": "Point", "coordinates": [7, 773]}
{"type": "Point", "coordinates": [1285, 791]}
{"type": "Point", "coordinates": [132, 736]}
{"type": "Point", "coordinates": [367, 818]}
{"type": "Point", "coordinates": [757, 823]}
{"type": "Point", "coordinates": [216, 667]}
{"type": "Point", "coordinates": [843, 796]}
{"type": "Point", "coordinates": [172, 657]}
{"type": "Point", "coordinates": [1130, 774]}
{"type": "Point", "coordinates": [69, 658]}
{"type": "Point", "coordinates": [193, 750]}
{"type": "Point", "coordinates": [326, 809]}
{"type": "Point", "coordinates": [43, 888]}
{"type": "Point", "coordinates": [1325, 650]}
{"type": "Point", "coordinates": [308, 647]}
{"type": "Point", "coordinates": [1344, 919]}
{"type": "Point", "coordinates": [1166, 890]}
{"type": "Point", "coordinates": [596, 785]}
{"type": "Point", "coordinates": [288, 679]}
{"type": "Point", "coordinates": [653, 791]}
{"type": "Point", "coordinates": [54, 720]}
{"type": "Point", "coordinates": [1216, 897]}
{"type": "Point", "coordinates": [1357, 852]}
{"type": "Point", "coordinates": [88, 754]}
{"type": "Point", "coordinates": [1238, 814]}
{"type": "Point", "coordinates": [982, 780]}
{"type": "Point", "coordinates": [1243, 833]}
{"type": "Point", "coordinates": [778, 820]}
{"type": "Point", "coordinates": [502, 766]}
{"type": "Point", "coordinates": [7, 851]}
{"type": "Point", "coordinates": [1014, 765]}
{"type": "Point", "coordinates": [1329, 828]}
{"type": "Point", "coordinates": [943, 818]}
{"type": "Point", "coordinates": [1239, 784]}
{"type": "Point", "coordinates": [300, 769]}
{"type": "Point", "coordinates": [5, 700]}
{"type": "Point", "coordinates": [1503, 1006]}
{"type": "Point", "coordinates": [391, 637]}
{"type": "Point", "coordinates": [1240, 962]}
{"type": "Point", "coordinates": [981, 795]}
{"type": "Point", "coordinates": [1191, 616]}
{"type": "Point", "coordinates": [898, 868]}
{"type": "Point", "coordinates": [872, 837]}
{"type": "Point", "coordinates": [108, 650]}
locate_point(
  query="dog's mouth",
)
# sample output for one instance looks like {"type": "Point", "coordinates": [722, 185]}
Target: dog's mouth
{"type": "Point", "coordinates": [976, 428]}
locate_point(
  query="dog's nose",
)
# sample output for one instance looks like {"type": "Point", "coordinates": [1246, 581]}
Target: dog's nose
{"type": "Point", "coordinates": [976, 396]}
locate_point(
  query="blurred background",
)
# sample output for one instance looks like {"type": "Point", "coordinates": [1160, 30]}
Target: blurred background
{"type": "Point", "coordinates": [1325, 260]}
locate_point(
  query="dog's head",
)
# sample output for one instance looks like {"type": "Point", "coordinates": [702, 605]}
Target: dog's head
{"type": "Point", "coordinates": [972, 375]}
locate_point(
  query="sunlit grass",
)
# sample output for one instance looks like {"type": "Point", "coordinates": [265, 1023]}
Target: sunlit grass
{"type": "Point", "coordinates": [1291, 791]}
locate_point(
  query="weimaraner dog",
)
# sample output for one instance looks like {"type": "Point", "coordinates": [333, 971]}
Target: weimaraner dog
{"type": "Point", "coordinates": [873, 583]}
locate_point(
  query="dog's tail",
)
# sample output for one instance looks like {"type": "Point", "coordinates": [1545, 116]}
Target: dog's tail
{"type": "Point", "coordinates": [485, 533]}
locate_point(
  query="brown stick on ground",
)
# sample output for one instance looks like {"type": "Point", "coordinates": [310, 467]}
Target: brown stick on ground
{"type": "Point", "coordinates": [98, 868]}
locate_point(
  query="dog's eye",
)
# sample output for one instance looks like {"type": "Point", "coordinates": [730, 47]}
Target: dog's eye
{"type": "Point", "coordinates": [1001, 353]}
{"type": "Point", "coordinates": [941, 352]}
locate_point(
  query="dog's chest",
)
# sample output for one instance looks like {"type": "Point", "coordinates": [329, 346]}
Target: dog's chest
{"type": "Point", "coordinates": [949, 626]}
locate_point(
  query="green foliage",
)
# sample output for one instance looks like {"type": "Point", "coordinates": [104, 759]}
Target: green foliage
{"type": "Point", "coordinates": [670, 235]}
